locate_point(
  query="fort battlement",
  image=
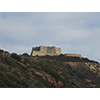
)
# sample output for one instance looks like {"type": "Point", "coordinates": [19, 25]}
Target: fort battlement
{"type": "Point", "coordinates": [73, 55]}
{"type": "Point", "coordinates": [52, 51]}
{"type": "Point", "coordinates": [43, 50]}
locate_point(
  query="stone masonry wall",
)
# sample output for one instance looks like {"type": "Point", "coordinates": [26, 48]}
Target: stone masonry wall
{"type": "Point", "coordinates": [52, 51]}
{"type": "Point", "coordinates": [42, 51]}
{"type": "Point", "coordinates": [74, 55]}
{"type": "Point", "coordinates": [58, 50]}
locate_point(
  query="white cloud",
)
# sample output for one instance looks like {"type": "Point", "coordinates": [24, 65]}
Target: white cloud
{"type": "Point", "coordinates": [73, 32]}
{"type": "Point", "coordinates": [17, 30]}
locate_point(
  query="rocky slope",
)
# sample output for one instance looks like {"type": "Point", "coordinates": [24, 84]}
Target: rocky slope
{"type": "Point", "coordinates": [21, 71]}
{"type": "Point", "coordinates": [95, 67]}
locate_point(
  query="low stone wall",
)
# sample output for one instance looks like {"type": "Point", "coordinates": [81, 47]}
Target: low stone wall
{"type": "Point", "coordinates": [73, 55]}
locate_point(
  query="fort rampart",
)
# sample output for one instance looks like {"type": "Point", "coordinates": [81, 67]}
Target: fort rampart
{"type": "Point", "coordinates": [52, 51]}
{"type": "Point", "coordinates": [74, 55]}
{"type": "Point", "coordinates": [42, 51]}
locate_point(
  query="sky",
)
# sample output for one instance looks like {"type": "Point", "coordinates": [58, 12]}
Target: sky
{"type": "Point", "coordinates": [73, 32]}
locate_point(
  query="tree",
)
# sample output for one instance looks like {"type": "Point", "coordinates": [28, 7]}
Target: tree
{"type": "Point", "coordinates": [15, 56]}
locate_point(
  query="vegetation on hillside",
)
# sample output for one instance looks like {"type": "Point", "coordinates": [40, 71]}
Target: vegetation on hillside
{"type": "Point", "coordinates": [24, 71]}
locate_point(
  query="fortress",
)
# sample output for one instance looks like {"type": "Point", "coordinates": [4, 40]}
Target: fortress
{"type": "Point", "coordinates": [51, 51]}
{"type": "Point", "coordinates": [42, 51]}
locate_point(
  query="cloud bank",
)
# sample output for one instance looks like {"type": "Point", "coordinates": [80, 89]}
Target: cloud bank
{"type": "Point", "coordinates": [73, 32]}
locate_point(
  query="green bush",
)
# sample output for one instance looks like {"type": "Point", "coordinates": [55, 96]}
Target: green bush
{"type": "Point", "coordinates": [7, 52]}
{"type": "Point", "coordinates": [1, 51]}
{"type": "Point", "coordinates": [54, 74]}
{"type": "Point", "coordinates": [2, 84]}
{"type": "Point", "coordinates": [16, 74]}
{"type": "Point", "coordinates": [8, 82]}
{"type": "Point", "coordinates": [25, 54]}
{"type": "Point", "coordinates": [4, 69]}
{"type": "Point", "coordinates": [27, 61]}
{"type": "Point", "coordinates": [15, 56]}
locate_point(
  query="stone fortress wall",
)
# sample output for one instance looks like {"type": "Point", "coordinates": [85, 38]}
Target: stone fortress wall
{"type": "Point", "coordinates": [52, 51]}
{"type": "Point", "coordinates": [73, 55]}
{"type": "Point", "coordinates": [42, 51]}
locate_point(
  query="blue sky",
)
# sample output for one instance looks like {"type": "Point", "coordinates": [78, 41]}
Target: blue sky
{"type": "Point", "coordinates": [73, 32]}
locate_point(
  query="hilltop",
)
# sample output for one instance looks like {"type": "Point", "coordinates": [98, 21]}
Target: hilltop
{"type": "Point", "coordinates": [25, 71]}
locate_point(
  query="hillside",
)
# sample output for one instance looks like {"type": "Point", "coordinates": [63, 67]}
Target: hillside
{"type": "Point", "coordinates": [24, 71]}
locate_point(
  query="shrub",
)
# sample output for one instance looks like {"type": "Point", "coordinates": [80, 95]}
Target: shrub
{"type": "Point", "coordinates": [25, 54]}
{"type": "Point", "coordinates": [16, 74]}
{"type": "Point", "coordinates": [8, 82]}
{"type": "Point", "coordinates": [7, 52]}
{"type": "Point", "coordinates": [1, 51]}
{"type": "Point", "coordinates": [61, 55]}
{"type": "Point", "coordinates": [15, 56]}
{"type": "Point", "coordinates": [54, 74]}
{"type": "Point", "coordinates": [27, 61]}
{"type": "Point", "coordinates": [85, 59]}
{"type": "Point", "coordinates": [2, 84]}
{"type": "Point", "coordinates": [10, 62]}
